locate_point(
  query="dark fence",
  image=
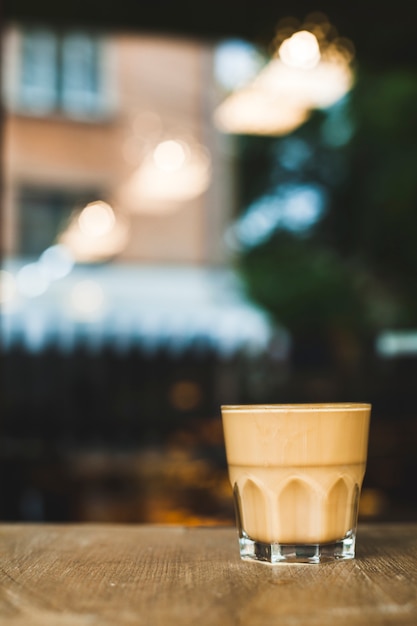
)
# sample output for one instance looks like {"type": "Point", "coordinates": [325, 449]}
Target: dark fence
{"type": "Point", "coordinates": [138, 437]}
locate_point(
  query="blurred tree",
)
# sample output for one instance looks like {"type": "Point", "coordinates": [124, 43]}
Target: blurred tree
{"type": "Point", "coordinates": [351, 271]}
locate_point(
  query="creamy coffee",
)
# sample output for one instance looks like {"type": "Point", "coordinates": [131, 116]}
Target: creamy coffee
{"type": "Point", "coordinates": [296, 470]}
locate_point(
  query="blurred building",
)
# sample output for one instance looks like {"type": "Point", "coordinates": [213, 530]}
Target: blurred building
{"type": "Point", "coordinates": [111, 155]}
{"type": "Point", "coordinates": [123, 323]}
{"type": "Point", "coordinates": [84, 112]}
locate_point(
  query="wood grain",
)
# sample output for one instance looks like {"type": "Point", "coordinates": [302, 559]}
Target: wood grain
{"type": "Point", "coordinates": [100, 575]}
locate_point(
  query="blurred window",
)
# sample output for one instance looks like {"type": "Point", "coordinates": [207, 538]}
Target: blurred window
{"type": "Point", "coordinates": [61, 72]}
{"type": "Point", "coordinates": [38, 87]}
{"type": "Point", "coordinates": [43, 213]}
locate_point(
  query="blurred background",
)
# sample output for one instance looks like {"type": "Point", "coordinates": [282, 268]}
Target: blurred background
{"type": "Point", "coordinates": [201, 205]}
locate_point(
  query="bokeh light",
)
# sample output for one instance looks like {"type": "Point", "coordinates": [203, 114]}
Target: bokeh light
{"type": "Point", "coordinates": [300, 50]}
{"type": "Point", "coordinates": [185, 395]}
{"type": "Point", "coordinates": [56, 262]}
{"type": "Point", "coordinates": [8, 288]}
{"type": "Point", "coordinates": [169, 155]}
{"type": "Point", "coordinates": [294, 208]}
{"type": "Point", "coordinates": [308, 70]}
{"type": "Point", "coordinates": [96, 219]}
{"type": "Point", "coordinates": [316, 88]}
{"type": "Point", "coordinates": [174, 171]}
{"type": "Point", "coordinates": [96, 233]}
{"type": "Point", "coordinates": [236, 63]}
{"type": "Point", "coordinates": [32, 280]}
{"type": "Point", "coordinates": [257, 112]}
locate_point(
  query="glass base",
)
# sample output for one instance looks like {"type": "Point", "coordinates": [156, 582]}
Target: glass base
{"type": "Point", "coordinates": [274, 553]}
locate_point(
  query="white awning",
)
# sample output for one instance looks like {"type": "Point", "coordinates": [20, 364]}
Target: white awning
{"type": "Point", "coordinates": [151, 307]}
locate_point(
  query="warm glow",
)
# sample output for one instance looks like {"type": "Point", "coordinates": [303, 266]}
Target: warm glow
{"type": "Point", "coordinates": [95, 234]}
{"type": "Point", "coordinates": [97, 219]}
{"type": "Point", "coordinates": [259, 113]}
{"type": "Point", "coordinates": [318, 87]}
{"type": "Point", "coordinates": [7, 287]}
{"type": "Point", "coordinates": [174, 171]}
{"type": "Point", "coordinates": [169, 156]}
{"type": "Point", "coordinates": [306, 72]}
{"type": "Point", "coordinates": [300, 50]}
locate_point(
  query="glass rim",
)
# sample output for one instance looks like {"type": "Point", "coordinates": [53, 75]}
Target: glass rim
{"type": "Point", "coordinates": [311, 406]}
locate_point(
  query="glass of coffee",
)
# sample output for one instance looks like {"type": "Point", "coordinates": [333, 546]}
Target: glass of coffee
{"type": "Point", "coordinates": [296, 471]}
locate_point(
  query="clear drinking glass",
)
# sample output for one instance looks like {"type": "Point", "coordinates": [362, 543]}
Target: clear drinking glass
{"type": "Point", "coordinates": [296, 471]}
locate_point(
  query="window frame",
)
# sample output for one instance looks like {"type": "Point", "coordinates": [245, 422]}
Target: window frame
{"type": "Point", "coordinates": [99, 100]}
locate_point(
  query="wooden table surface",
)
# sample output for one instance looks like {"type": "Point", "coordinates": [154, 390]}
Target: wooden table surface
{"type": "Point", "coordinates": [114, 575]}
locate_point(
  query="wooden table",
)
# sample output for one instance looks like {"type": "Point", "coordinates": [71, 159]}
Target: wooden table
{"type": "Point", "coordinates": [101, 575]}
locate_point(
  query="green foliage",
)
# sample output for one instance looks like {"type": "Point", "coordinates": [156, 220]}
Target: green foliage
{"type": "Point", "coordinates": [304, 284]}
{"type": "Point", "coordinates": [357, 267]}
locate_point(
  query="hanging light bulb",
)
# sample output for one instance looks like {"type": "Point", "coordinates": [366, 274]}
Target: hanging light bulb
{"type": "Point", "coordinates": [173, 172]}
{"type": "Point", "coordinates": [300, 50]}
{"type": "Point", "coordinates": [96, 233]}
{"type": "Point", "coordinates": [306, 72]}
